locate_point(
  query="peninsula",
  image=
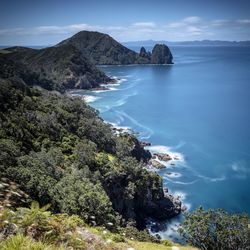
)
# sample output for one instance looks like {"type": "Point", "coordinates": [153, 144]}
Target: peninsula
{"type": "Point", "coordinates": [72, 64]}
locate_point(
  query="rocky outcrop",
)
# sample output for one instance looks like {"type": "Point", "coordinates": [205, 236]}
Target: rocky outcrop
{"type": "Point", "coordinates": [149, 200]}
{"type": "Point", "coordinates": [162, 157]}
{"type": "Point", "coordinates": [161, 54]}
{"type": "Point", "coordinates": [156, 164]}
{"type": "Point", "coordinates": [144, 53]}
{"type": "Point", "coordinates": [163, 207]}
{"type": "Point", "coordinates": [139, 152]}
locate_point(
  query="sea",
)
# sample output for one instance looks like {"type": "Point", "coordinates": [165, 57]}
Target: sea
{"type": "Point", "coordinates": [197, 110]}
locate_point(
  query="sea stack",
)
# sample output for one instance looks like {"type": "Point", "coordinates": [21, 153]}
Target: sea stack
{"type": "Point", "coordinates": [144, 53]}
{"type": "Point", "coordinates": [161, 54]}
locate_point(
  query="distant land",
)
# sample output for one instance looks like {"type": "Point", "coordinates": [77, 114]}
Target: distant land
{"type": "Point", "coordinates": [153, 42]}
{"type": "Point", "coordinates": [188, 43]}
{"type": "Point", "coordinates": [29, 46]}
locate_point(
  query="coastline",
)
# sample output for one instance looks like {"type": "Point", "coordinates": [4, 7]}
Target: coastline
{"type": "Point", "coordinates": [161, 156]}
{"type": "Point", "coordinates": [166, 228]}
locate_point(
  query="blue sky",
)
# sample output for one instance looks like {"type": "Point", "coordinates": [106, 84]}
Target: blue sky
{"type": "Point", "coordinates": [32, 22]}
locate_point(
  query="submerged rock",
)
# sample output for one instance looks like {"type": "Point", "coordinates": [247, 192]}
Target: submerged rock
{"type": "Point", "coordinates": [157, 164]}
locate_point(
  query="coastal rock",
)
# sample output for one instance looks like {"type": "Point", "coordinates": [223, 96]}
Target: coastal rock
{"type": "Point", "coordinates": [139, 152]}
{"type": "Point", "coordinates": [145, 143]}
{"type": "Point", "coordinates": [143, 53]}
{"type": "Point", "coordinates": [162, 156]}
{"type": "Point", "coordinates": [156, 164]}
{"type": "Point", "coordinates": [183, 208]}
{"type": "Point", "coordinates": [161, 54]}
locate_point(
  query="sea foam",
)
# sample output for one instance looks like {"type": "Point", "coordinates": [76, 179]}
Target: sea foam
{"type": "Point", "coordinates": [90, 98]}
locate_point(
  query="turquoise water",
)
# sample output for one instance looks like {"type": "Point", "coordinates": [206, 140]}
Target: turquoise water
{"type": "Point", "coordinates": [198, 109]}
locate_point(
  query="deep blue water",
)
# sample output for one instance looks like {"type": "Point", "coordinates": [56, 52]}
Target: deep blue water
{"type": "Point", "coordinates": [199, 108]}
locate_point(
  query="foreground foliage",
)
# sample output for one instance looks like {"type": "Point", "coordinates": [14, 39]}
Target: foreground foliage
{"type": "Point", "coordinates": [216, 230]}
{"type": "Point", "coordinates": [36, 228]}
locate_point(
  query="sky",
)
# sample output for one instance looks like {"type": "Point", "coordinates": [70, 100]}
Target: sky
{"type": "Point", "coordinates": [46, 22]}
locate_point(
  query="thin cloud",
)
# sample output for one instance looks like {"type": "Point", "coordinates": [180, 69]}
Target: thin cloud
{"type": "Point", "coordinates": [244, 21]}
{"type": "Point", "coordinates": [192, 19]}
{"type": "Point", "coordinates": [144, 25]}
{"type": "Point", "coordinates": [188, 28]}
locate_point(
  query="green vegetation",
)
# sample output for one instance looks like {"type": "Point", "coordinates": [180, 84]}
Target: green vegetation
{"type": "Point", "coordinates": [216, 230]}
{"type": "Point", "coordinates": [61, 153]}
{"type": "Point", "coordinates": [36, 228]}
{"type": "Point", "coordinates": [53, 68]}
{"type": "Point", "coordinates": [56, 150]}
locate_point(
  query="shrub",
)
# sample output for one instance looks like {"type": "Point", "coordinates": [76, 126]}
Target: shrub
{"type": "Point", "coordinates": [133, 233]}
{"type": "Point", "coordinates": [216, 229]}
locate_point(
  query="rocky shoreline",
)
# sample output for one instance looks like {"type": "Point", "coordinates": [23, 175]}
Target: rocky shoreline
{"type": "Point", "coordinates": [152, 161]}
{"type": "Point", "coordinates": [155, 162]}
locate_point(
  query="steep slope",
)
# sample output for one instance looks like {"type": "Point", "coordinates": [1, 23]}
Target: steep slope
{"type": "Point", "coordinates": [102, 49]}
{"type": "Point", "coordinates": [62, 67]}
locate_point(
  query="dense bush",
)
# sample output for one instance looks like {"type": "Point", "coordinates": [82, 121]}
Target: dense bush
{"type": "Point", "coordinates": [216, 230]}
{"type": "Point", "coordinates": [60, 152]}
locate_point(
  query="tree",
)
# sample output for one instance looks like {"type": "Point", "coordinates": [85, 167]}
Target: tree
{"type": "Point", "coordinates": [216, 230]}
{"type": "Point", "coordinates": [79, 196]}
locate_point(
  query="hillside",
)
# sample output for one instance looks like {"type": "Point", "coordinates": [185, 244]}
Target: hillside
{"type": "Point", "coordinates": [56, 68]}
{"type": "Point", "coordinates": [102, 49]}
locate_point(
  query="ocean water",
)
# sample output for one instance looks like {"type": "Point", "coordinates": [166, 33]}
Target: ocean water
{"type": "Point", "coordinates": [199, 110]}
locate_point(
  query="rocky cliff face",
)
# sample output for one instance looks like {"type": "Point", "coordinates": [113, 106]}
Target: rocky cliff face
{"type": "Point", "coordinates": [149, 200]}
{"type": "Point", "coordinates": [161, 54]}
